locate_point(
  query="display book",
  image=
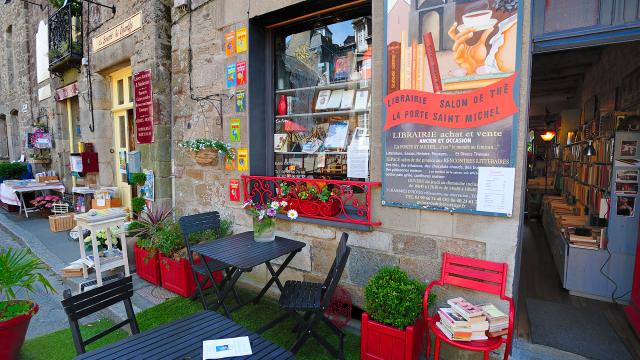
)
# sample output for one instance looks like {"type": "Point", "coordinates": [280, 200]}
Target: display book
{"type": "Point", "coordinates": [464, 321]}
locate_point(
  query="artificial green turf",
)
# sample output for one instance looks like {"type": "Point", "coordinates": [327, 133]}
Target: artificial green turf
{"type": "Point", "coordinates": [58, 345]}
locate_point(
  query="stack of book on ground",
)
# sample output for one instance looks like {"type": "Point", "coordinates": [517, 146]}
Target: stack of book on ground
{"type": "Point", "coordinates": [464, 321]}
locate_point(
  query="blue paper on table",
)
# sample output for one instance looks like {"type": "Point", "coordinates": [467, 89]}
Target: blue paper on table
{"type": "Point", "coordinates": [224, 348]}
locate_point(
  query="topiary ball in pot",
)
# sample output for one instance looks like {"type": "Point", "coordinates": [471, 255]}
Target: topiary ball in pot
{"type": "Point", "coordinates": [392, 298]}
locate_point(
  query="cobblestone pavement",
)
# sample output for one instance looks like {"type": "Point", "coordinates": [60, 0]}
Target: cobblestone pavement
{"type": "Point", "coordinates": [51, 316]}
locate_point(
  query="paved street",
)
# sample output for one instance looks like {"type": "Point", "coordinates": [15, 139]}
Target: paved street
{"type": "Point", "coordinates": [51, 316]}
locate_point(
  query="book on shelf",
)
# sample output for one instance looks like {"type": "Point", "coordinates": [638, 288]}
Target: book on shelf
{"type": "Point", "coordinates": [336, 135]}
{"type": "Point", "coordinates": [362, 97]}
{"type": "Point", "coordinates": [468, 311]}
{"type": "Point", "coordinates": [497, 333]}
{"type": "Point", "coordinates": [280, 143]}
{"type": "Point", "coordinates": [347, 99]}
{"type": "Point", "coordinates": [335, 100]}
{"type": "Point", "coordinates": [493, 314]}
{"type": "Point", "coordinates": [323, 99]}
{"type": "Point", "coordinates": [311, 146]}
{"type": "Point", "coordinates": [403, 60]}
{"type": "Point", "coordinates": [393, 67]}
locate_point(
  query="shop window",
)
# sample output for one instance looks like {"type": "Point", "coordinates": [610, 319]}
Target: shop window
{"type": "Point", "coordinates": [322, 100]}
{"type": "Point", "coordinates": [570, 14]}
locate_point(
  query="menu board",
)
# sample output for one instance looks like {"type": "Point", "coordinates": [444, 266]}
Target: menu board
{"type": "Point", "coordinates": [143, 97]}
{"type": "Point", "coordinates": [451, 104]}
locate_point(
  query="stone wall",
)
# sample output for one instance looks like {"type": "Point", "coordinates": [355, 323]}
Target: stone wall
{"type": "Point", "coordinates": [413, 239]}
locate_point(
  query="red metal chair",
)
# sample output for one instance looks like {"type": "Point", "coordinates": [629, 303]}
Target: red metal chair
{"type": "Point", "coordinates": [479, 275]}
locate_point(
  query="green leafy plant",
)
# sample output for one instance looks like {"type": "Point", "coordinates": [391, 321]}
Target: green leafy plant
{"type": "Point", "coordinates": [201, 144]}
{"type": "Point", "coordinates": [138, 204]}
{"type": "Point", "coordinates": [12, 171]}
{"type": "Point", "coordinates": [19, 270]}
{"type": "Point", "coordinates": [225, 229]}
{"type": "Point", "coordinates": [170, 241]}
{"type": "Point", "coordinates": [138, 178]}
{"type": "Point", "coordinates": [148, 226]}
{"type": "Point", "coordinates": [392, 298]}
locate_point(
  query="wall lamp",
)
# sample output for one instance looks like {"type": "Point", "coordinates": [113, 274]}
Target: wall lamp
{"type": "Point", "coordinates": [6, 2]}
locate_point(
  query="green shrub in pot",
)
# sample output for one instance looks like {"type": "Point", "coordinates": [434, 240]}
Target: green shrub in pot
{"type": "Point", "coordinates": [394, 299]}
{"type": "Point", "coordinates": [12, 171]}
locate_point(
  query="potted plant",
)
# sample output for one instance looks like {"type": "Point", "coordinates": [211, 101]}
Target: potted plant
{"type": "Point", "coordinates": [101, 240]}
{"type": "Point", "coordinates": [393, 304]}
{"type": "Point", "coordinates": [264, 218]}
{"type": "Point", "coordinates": [19, 271]}
{"type": "Point", "coordinates": [12, 171]}
{"type": "Point", "coordinates": [146, 230]}
{"type": "Point", "coordinates": [175, 269]}
{"type": "Point", "coordinates": [316, 199]}
{"type": "Point", "coordinates": [205, 151]}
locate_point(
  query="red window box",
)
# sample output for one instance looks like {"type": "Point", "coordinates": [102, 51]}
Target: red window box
{"type": "Point", "coordinates": [176, 276]}
{"type": "Point", "coordinates": [147, 266]}
{"type": "Point", "coordinates": [379, 341]}
{"type": "Point", "coordinates": [315, 208]}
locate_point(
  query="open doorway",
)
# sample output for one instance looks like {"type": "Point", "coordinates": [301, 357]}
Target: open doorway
{"type": "Point", "coordinates": [582, 204]}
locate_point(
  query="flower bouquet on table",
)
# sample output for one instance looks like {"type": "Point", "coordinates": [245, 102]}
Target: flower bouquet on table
{"type": "Point", "coordinates": [264, 218]}
{"type": "Point", "coordinates": [45, 203]}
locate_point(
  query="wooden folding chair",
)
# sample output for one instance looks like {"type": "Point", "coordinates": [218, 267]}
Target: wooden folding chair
{"type": "Point", "coordinates": [479, 275]}
{"type": "Point", "coordinates": [206, 267]}
{"type": "Point", "coordinates": [313, 299]}
{"type": "Point", "coordinates": [94, 300]}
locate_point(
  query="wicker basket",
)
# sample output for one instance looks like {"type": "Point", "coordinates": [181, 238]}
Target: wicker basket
{"type": "Point", "coordinates": [62, 222]}
{"type": "Point", "coordinates": [206, 157]}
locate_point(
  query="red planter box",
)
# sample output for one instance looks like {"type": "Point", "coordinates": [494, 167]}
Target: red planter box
{"type": "Point", "coordinates": [329, 208]}
{"type": "Point", "coordinates": [147, 267]}
{"type": "Point", "coordinates": [380, 341]}
{"type": "Point", "coordinates": [176, 276]}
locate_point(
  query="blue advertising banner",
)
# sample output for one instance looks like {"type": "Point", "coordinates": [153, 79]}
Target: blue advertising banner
{"type": "Point", "coordinates": [450, 104]}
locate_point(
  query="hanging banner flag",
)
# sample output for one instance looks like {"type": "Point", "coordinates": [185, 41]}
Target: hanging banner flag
{"type": "Point", "coordinates": [231, 75]}
{"type": "Point", "coordinates": [241, 40]}
{"type": "Point", "coordinates": [143, 98]}
{"type": "Point", "coordinates": [234, 190]}
{"type": "Point", "coordinates": [230, 43]}
{"type": "Point", "coordinates": [243, 159]}
{"type": "Point", "coordinates": [451, 94]}
{"type": "Point", "coordinates": [234, 131]}
{"type": "Point", "coordinates": [241, 100]}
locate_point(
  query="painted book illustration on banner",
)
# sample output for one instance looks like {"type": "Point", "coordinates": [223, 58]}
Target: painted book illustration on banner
{"type": "Point", "coordinates": [241, 73]}
{"type": "Point", "coordinates": [241, 40]}
{"type": "Point", "coordinates": [231, 75]}
{"type": "Point", "coordinates": [230, 43]}
{"type": "Point", "coordinates": [450, 98]}
{"type": "Point", "coordinates": [243, 159]}
{"type": "Point", "coordinates": [241, 100]}
{"type": "Point", "coordinates": [234, 130]}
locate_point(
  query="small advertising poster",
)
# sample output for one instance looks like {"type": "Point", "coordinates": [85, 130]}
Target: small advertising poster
{"type": "Point", "coordinates": [230, 43]}
{"type": "Point", "coordinates": [231, 75]}
{"type": "Point", "coordinates": [243, 159]}
{"type": "Point", "coordinates": [234, 132]}
{"type": "Point", "coordinates": [450, 98]}
{"type": "Point", "coordinates": [241, 40]}
{"type": "Point", "coordinates": [143, 97]}
{"type": "Point", "coordinates": [241, 73]}
{"type": "Point", "coordinates": [230, 163]}
{"type": "Point", "coordinates": [234, 190]}
{"type": "Point", "coordinates": [625, 206]}
{"type": "Point", "coordinates": [241, 100]}
{"type": "Point", "coordinates": [122, 161]}
{"type": "Point", "coordinates": [147, 191]}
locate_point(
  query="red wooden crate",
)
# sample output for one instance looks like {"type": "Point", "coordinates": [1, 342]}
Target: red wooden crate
{"type": "Point", "coordinates": [176, 276]}
{"type": "Point", "coordinates": [147, 267]}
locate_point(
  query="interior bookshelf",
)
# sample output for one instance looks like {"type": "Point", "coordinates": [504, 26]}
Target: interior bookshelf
{"type": "Point", "coordinates": [587, 179]}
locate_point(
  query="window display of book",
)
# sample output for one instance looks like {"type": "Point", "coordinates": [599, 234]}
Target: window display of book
{"type": "Point", "coordinates": [323, 83]}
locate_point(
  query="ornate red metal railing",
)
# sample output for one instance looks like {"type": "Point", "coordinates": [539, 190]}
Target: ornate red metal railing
{"type": "Point", "coordinates": [334, 200]}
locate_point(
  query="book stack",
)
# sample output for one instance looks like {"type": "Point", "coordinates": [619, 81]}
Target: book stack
{"type": "Point", "coordinates": [463, 321]}
{"type": "Point", "coordinates": [498, 321]}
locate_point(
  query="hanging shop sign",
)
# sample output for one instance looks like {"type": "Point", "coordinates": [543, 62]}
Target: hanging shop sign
{"type": "Point", "coordinates": [118, 32]}
{"type": "Point", "coordinates": [143, 97]}
{"type": "Point", "coordinates": [450, 105]}
{"type": "Point", "coordinates": [67, 92]}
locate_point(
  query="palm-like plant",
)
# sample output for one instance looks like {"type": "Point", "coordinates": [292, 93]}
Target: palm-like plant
{"type": "Point", "coordinates": [148, 226]}
{"type": "Point", "coordinates": [19, 269]}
